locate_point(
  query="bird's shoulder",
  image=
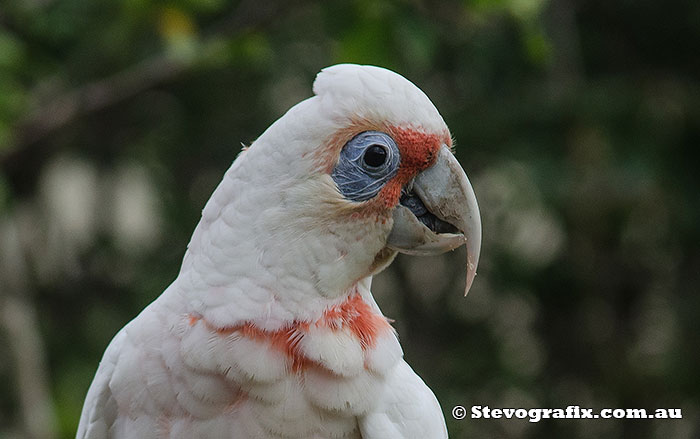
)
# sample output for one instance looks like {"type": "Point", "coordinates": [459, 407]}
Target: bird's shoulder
{"type": "Point", "coordinates": [100, 409]}
{"type": "Point", "coordinates": [407, 409]}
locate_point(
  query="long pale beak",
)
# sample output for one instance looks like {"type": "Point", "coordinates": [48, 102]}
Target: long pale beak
{"type": "Point", "coordinates": [438, 213]}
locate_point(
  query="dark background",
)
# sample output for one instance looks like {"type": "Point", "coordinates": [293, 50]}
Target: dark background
{"type": "Point", "coordinates": [578, 123]}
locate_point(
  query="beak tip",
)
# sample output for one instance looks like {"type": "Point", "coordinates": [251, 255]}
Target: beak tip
{"type": "Point", "coordinates": [471, 274]}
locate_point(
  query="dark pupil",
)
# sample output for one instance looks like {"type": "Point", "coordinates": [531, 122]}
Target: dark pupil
{"type": "Point", "coordinates": [375, 156]}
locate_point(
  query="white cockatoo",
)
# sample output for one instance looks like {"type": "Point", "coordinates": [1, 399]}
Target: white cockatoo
{"type": "Point", "coordinates": [270, 329]}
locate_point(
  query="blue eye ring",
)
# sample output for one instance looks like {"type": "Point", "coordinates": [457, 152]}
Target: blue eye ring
{"type": "Point", "coordinates": [366, 163]}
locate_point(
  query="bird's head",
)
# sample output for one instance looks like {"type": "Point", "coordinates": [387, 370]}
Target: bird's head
{"type": "Point", "coordinates": [343, 181]}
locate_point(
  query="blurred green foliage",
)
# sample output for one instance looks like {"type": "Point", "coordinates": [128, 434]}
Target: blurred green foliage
{"type": "Point", "coordinates": [577, 121]}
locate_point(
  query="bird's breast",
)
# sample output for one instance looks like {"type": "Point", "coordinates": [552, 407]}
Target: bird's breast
{"type": "Point", "coordinates": [308, 376]}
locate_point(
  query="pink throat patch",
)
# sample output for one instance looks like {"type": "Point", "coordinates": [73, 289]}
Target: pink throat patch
{"type": "Point", "coordinates": [354, 315]}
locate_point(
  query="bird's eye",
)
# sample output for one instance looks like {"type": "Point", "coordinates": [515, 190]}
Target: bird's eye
{"type": "Point", "coordinates": [366, 163]}
{"type": "Point", "coordinates": [375, 156]}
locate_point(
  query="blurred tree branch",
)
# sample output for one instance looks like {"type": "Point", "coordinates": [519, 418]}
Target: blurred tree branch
{"type": "Point", "coordinates": [18, 317]}
{"type": "Point", "coordinates": [26, 349]}
{"type": "Point", "coordinates": [46, 118]}
{"type": "Point", "coordinates": [91, 97]}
